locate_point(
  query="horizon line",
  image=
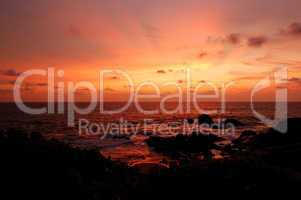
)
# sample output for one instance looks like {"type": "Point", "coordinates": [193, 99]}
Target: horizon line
{"type": "Point", "coordinates": [149, 102]}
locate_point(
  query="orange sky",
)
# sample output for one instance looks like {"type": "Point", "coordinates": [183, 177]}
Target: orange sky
{"type": "Point", "coordinates": [218, 41]}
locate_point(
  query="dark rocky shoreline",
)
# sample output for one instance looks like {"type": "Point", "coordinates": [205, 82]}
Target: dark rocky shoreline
{"type": "Point", "coordinates": [257, 164]}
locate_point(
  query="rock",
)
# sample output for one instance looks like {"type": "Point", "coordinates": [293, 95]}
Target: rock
{"type": "Point", "coordinates": [150, 167]}
{"type": "Point", "coordinates": [233, 122]}
{"type": "Point", "coordinates": [164, 161]}
{"type": "Point", "coordinates": [148, 133]}
{"type": "Point", "coordinates": [205, 119]}
{"type": "Point", "coordinates": [190, 120]}
{"type": "Point", "coordinates": [174, 163]}
{"type": "Point", "coordinates": [35, 136]}
{"type": "Point", "coordinates": [293, 126]}
{"type": "Point", "coordinates": [274, 137]}
{"type": "Point", "coordinates": [248, 133]}
{"type": "Point", "coordinates": [269, 138]}
{"type": "Point", "coordinates": [17, 135]}
{"type": "Point", "coordinates": [193, 143]}
{"type": "Point", "coordinates": [117, 136]}
{"type": "Point", "coordinates": [2, 135]}
{"type": "Point", "coordinates": [245, 137]}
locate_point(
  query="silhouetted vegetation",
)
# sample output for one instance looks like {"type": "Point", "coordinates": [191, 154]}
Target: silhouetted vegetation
{"type": "Point", "coordinates": [181, 144]}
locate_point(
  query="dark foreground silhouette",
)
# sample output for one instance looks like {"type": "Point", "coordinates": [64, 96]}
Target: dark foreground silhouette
{"type": "Point", "coordinates": [32, 167]}
{"type": "Point", "coordinates": [180, 146]}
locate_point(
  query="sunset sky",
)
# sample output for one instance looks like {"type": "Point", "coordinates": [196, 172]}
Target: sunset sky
{"type": "Point", "coordinates": [218, 40]}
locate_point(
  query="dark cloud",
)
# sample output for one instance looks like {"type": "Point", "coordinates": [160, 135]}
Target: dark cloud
{"type": "Point", "coordinates": [248, 78]}
{"type": "Point", "coordinates": [203, 54]}
{"type": "Point", "coordinates": [7, 91]}
{"type": "Point", "coordinates": [10, 72]}
{"type": "Point", "coordinates": [41, 84]}
{"type": "Point", "coordinates": [294, 80]}
{"type": "Point", "coordinates": [161, 71]}
{"type": "Point", "coordinates": [109, 90]}
{"type": "Point", "coordinates": [27, 86]}
{"type": "Point", "coordinates": [82, 90]}
{"type": "Point", "coordinates": [238, 39]}
{"type": "Point", "coordinates": [27, 89]}
{"type": "Point", "coordinates": [180, 81]}
{"type": "Point", "coordinates": [32, 85]}
{"type": "Point", "coordinates": [292, 29]}
{"type": "Point", "coordinates": [114, 78]}
{"type": "Point", "coordinates": [7, 82]}
{"type": "Point", "coordinates": [233, 38]}
{"type": "Point", "coordinates": [257, 41]}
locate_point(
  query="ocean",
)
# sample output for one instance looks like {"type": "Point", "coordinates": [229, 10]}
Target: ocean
{"type": "Point", "coordinates": [128, 129]}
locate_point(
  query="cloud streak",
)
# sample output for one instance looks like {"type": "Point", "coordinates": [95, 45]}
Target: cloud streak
{"type": "Point", "coordinates": [10, 72]}
{"type": "Point", "coordinates": [7, 82]}
{"type": "Point", "coordinates": [257, 41]}
{"type": "Point", "coordinates": [203, 54]}
{"type": "Point", "coordinates": [234, 38]}
{"type": "Point", "coordinates": [161, 71]}
{"type": "Point", "coordinates": [294, 29]}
